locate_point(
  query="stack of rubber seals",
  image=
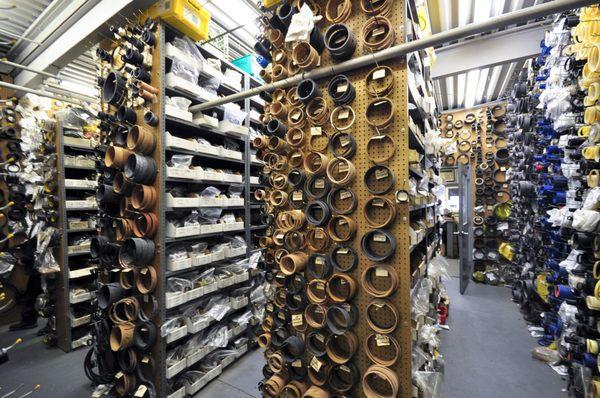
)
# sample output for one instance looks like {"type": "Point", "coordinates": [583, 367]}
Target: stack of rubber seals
{"type": "Point", "coordinates": [125, 331]}
{"type": "Point", "coordinates": [307, 332]}
{"type": "Point", "coordinates": [555, 226]}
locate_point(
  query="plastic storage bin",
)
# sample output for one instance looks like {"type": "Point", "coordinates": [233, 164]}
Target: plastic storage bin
{"type": "Point", "coordinates": [188, 16]}
{"type": "Point", "coordinates": [248, 64]}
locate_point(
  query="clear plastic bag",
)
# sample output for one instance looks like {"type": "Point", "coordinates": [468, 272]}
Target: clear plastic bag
{"type": "Point", "coordinates": [234, 113]}
{"type": "Point", "coordinates": [235, 191]}
{"type": "Point", "coordinates": [180, 161]}
{"type": "Point", "coordinates": [171, 324]}
{"type": "Point", "coordinates": [187, 68]}
{"type": "Point", "coordinates": [178, 285]}
{"type": "Point", "coordinates": [175, 355]}
{"type": "Point", "coordinates": [7, 263]}
{"type": "Point", "coordinates": [179, 103]}
{"type": "Point", "coordinates": [438, 268]}
{"type": "Point", "coordinates": [209, 215]}
{"type": "Point", "coordinates": [210, 192]}
{"type": "Point", "coordinates": [429, 384]}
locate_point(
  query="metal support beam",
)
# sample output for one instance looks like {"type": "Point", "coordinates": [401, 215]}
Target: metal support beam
{"type": "Point", "coordinates": [38, 92]}
{"type": "Point", "coordinates": [498, 22]}
{"type": "Point", "coordinates": [487, 51]}
{"type": "Point", "coordinates": [88, 24]}
{"type": "Point", "coordinates": [19, 66]}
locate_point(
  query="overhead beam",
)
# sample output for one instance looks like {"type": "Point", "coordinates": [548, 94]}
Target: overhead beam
{"type": "Point", "coordinates": [487, 51]}
{"type": "Point", "coordinates": [88, 25]}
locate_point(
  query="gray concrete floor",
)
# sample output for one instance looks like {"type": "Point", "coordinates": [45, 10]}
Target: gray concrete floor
{"type": "Point", "coordinates": [488, 348]}
{"type": "Point", "coordinates": [487, 351]}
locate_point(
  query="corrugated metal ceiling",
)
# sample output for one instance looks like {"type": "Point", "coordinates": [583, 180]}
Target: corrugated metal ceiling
{"type": "Point", "coordinates": [16, 17]}
{"type": "Point", "coordinates": [488, 84]}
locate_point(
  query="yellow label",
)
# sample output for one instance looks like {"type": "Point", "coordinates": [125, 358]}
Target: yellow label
{"type": "Point", "coordinates": [320, 183]}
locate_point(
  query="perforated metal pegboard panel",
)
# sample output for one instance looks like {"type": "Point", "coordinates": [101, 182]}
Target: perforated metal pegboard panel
{"type": "Point", "coordinates": [399, 166]}
{"type": "Point", "coordinates": [481, 114]}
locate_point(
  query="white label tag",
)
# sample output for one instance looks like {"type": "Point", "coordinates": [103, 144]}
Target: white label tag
{"type": "Point", "coordinates": [343, 167]}
{"type": "Point", "coordinates": [320, 183]}
{"type": "Point", "coordinates": [379, 74]}
{"type": "Point", "coordinates": [379, 238]}
{"type": "Point", "coordinates": [297, 195]}
{"type": "Point", "coordinates": [343, 250]}
{"type": "Point", "coordinates": [345, 195]}
{"type": "Point", "coordinates": [319, 233]}
{"type": "Point", "coordinates": [382, 340]}
{"type": "Point", "coordinates": [342, 88]}
{"type": "Point", "coordinates": [344, 141]}
{"type": "Point", "coordinates": [297, 320]}
{"type": "Point", "coordinates": [381, 174]}
{"type": "Point", "coordinates": [315, 364]}
{"type": "Point", "coordinates": [320, 286]}
{"type": "Point", "coordinates": [141, 391]}
{"type": "Point", "coordinates": [296, 155]}
{"type": "Point", "coordinates": [297, 363]}
{"type": "Point", "coordinates": [378, 202]}
{"type": "Point", "coordinates": [381, 272]}
{"type": "Point", "coordinates": [315, 131]}
{"type": "Point", "coordinates": [343, 114]}
{"type": "Point", "coordinates": [342, 222]}
{"type": "Point", "coordinates": [319, 260]}
{"type": "Point", "coordinates": [320, 337]}
{"type": "Point", "coordinates": [378, 32]}
{"type": "Point", "coordinates": [297, 136]}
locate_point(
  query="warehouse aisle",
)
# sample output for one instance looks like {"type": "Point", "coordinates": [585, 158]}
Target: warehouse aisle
{"type": "Point", "coordinates": [60, 375]}
{"type": "Point", "coordinates": [488, 348]}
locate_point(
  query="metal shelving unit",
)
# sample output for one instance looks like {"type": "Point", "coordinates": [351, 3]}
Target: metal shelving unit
{"type": "Point", "coordinates": [175, 125]}
{"type": "Point", "coordinates": [66, 260]}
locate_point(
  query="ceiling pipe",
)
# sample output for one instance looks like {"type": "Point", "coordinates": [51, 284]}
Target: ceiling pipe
{"type": "Point", "coordinates": [38, 92]}
{"type": "Point", "coordinates": [400, 50]}
{"type": "Point", "coordinates": [27, 68]}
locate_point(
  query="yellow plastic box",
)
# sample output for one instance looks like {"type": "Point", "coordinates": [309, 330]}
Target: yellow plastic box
{"type": "Point", "coordinates": [270, 3]}
{"type": "Point", "coordinates": [188, 16]}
